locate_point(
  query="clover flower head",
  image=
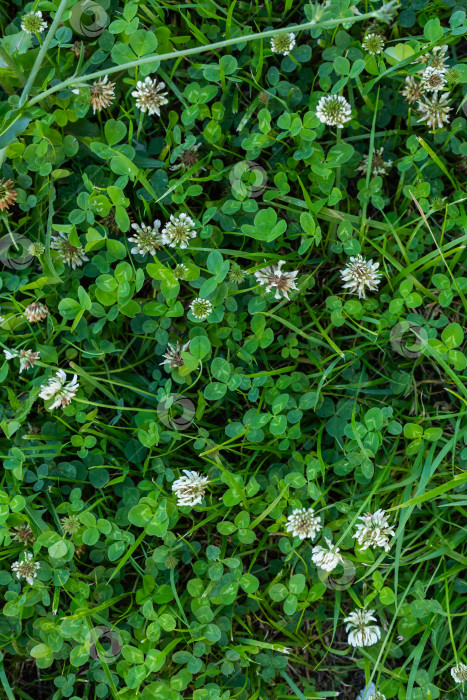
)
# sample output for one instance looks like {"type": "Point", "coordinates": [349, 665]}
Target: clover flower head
{"type": "Point", "coordinates": [361, 632]}
{"type": "Point", "coordinates": [178, 231]}
{"type": "Point", "coordinates": [326, 558]}
{"type": "Point", "coordinates": [201, 308]}
{"type": "Point", "coordinates": [373, 43]}
{"type": "Point", "coordinates": [32, 23]}
{"type": "Point", "coordinates": [272, 277]}
{"type": "Point", "coordinates": [433, 79]}
{"type": "Point", "coordinates": [8, 194]}
{"type": "Point", "coordinates": [36, 249]}
{"type": "Point", "coordinates": [360, 274]}
{"type": "Point", "coordinates": [374, 530]}
{"type": "Point", "coordinates": [102, 94]}
{"type": "Point", "coordinates": [187, 158]}
{"type": "Point", "coordinates": [304, 523]}
{"type": "Point", "coordinates": [71, 524]}
{"type": "Point", "coordinates": [70, 254]}
{"type": "Point", "coordinates": [459, 673]}
{"type": "Point", "coordinates": [379, 166]}
{"type": "Point", "coordinates": [149, 96]}
{"type": "Point", "coordinates": [59, 390]}
{"type": "Point", "coordinates": [36, 312]}
{"type": "Point", "coordinates": [190, 489]}
{"type": "Point", "coordinates": [24, 534]}
{"type": "Point", "coordinates": [333, 110]}
{"type": "Point", "coordinates": [27, 358]}
{"type": "Point", "coordinates": [173, 354]}
{"type": "Point", "coordinates": [147, 239]}
{"type": "Point", "coordinates": [283, 43]}
{"type": "Point", "coordinates": [435, 112]}
{"type": "Point", "coordinates": [412, 89]}
{"type": "Point", "coordinates": [26, 568]}
{"type": "Point", "coordinates": [180, 271]}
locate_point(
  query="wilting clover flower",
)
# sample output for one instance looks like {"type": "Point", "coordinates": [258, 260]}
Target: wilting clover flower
{"type": "Point", "coordinates": [374, 530]}
{"type": "Point", "coordinates": [379, 166]}
{"type": "Point", "coordinates": [304, 523]}
{"type": "Point", "coordinates": [32, 23]}
{"type": "Point", "coordinates": [201, 308]}
{"type": "Point", "coordinates": [326, 558]}
{"type": "Point", "coordinates": [23, 534]}
{"type": "Point", "coordinates": [435, 112]}
{"type": "Point", "coordinates": [147, 239]}
{"type": "Point", "coordinates": [412, 89]}
{"type": "Point", "coordinates": [102, 94]}
{"type": "Point", "coordinates": [433, 79]}
{"type": "Point", "coordinates": [173, 356]}
{"type": "Point", "coordinates": [373, 43]}
{"type": "Point", "coordinates": [26, 568]}
{"type": "Point", "coordinates": [36, 312]}
{"type": "Point", "coordinates": [8, 194]}
{"type": "Point", "coordinates": [333, 110]}
{"type": "Point", "coordinates": [360, 274]}
{"type": "Point", "coordinates": [36, 249]}
{"type": "Point", "coordinates": [187, 158]}
{"type": "Point", "coordinates": [190, 489]}
{"type": "Point", "coordinates": [149, 96]}
{"type": "Point", "coordinates": [283, 43]}
{"type": "Point", "coordinates": [178, 231]}
{"type": "Point", "coordinates": [362, 633]}
{"type": "Point", "coordinates": [26, 358]}
{"type": "Point", "coordinates": [70, 254]}
{"type": "Point", "coordinates": [459, 673]}
{"type": "Point", "coordinates": [58, 390]}
{"type": "Point", "coordinates": [272, 277]}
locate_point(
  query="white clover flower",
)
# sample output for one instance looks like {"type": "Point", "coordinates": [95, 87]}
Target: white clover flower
{"type": "Point", "coordinates": [459, 673]}
{"type": "Point", "coordinates": [376, 696]}
{"type": "Point", "coordinates": [333, 110]}
{"type": "Point", "coordinates": [412, 89]}
{"type": "Point", "coordinates": [57, 389]}
{"type": "Point", "coordinates": [304, 523]}
{"type": "Point", "coordinates": [32, 23]}
{"type": "Point", "coordinates": [379, 166]}
{"type": "Point", "coordinates": [326, 559]}
{"type": "Point", "coordinates": [272, 277]}
{"type": "Point", "coordinates": [173, 356]}
{"type": "Point", "coordinates": [283, 43]}
{"type": "Point", "coordinates": [147, 238]}
{"type": "Point", "coordinates": [36, 249]}
{"type": "Point", "coordinates": [36, 312]}
{"type": "Point", "coordinates": [362, 633]}
{"type": "Point", "coordinates": [70, 254]}
{"type": "Point", "coordinates": [190, 489]}
{"type": "Point", "coordinates": [374, 531]}
{"type": "Point", "coordinates": [102, 94]}
{"type": "Point", "coordinates": [26, 569]}
{"type": "Point", "coordinates": [201, 308]}
{"type": "Point", "coordinates": [373, 43]}
{"type": "Point", "coordinates": [149, 97]}
{"type": "Point", "coordinates": [26, 358]}
{"type": "Point", "coordinates": [178, 231]}
{"type": "Point", "coordinates": [359, 274]}
{"type": "Point", "coordinates": [433, 79]}
{"type": "Point", "coordinates": [435, 112]}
